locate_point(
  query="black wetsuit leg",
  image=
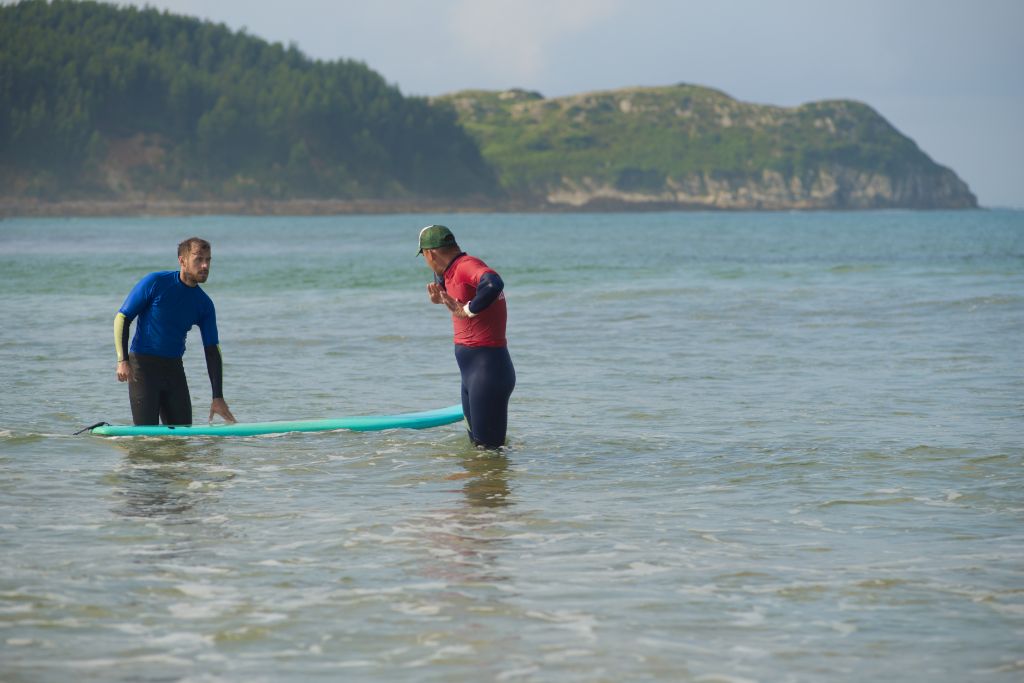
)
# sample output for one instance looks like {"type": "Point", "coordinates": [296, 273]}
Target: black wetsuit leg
{"type": "Point", "coordinates": [488, 378]}
{"type": "Point", "coordinates": [159, 391]}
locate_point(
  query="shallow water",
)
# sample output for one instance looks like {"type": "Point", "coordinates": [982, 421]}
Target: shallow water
{"type": "Point", "coordinates": [764, 447]}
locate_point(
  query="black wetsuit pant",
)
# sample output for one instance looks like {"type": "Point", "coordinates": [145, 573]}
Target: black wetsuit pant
{"type": "Point", "coordinates": [158, 391]}
{"type": "Point", "coordinates": [488, 379]}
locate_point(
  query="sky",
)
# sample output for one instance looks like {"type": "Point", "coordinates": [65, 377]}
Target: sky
{"type": "Point", "coordinates": [947, 73]}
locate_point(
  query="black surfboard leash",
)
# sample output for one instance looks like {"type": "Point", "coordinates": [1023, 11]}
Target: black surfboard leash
{"type": "Point", "coordinates": [90, 428]}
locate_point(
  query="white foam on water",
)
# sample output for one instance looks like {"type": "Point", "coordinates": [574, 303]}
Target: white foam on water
{"type": "Point", "coordinates": [577, 622]}
{"type": "Point", "coordinates": [748, 652]}
{"type": "Point", "coordinates": [723, 678]}
{"type": "Point", "coordinates": [199, 590]}
{"type": "Point", "coordinates": [21, 608]}
{"type": "Point", "coordinates": [645, 569]}
{"type": "Point", "coordinates": [29, 642]}
{"type": "Point", "coordinates": [181, 610]}
{"type": "Point", "coordinates": [448, 652]}
{"type": "Point", "coordinates": [181, 640]}
{"type": "Point", "coordinates": [197, 569]}
{"type": "Point", "coordinates": [512, 674]}
{"type": "Point", "coordinates": [561, 656]}
{"type": "Point", "coordinates": [124, 661]}
{"type": "Point", "coordinates": [417, 609]}
{"type": "Point", "coordinates": [748, 619]}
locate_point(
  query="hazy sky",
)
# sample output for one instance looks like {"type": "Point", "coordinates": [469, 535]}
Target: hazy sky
{"type": "Point", "coordinates": [947, 73]}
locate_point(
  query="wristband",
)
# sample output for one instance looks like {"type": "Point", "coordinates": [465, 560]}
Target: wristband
{"type": "Point", "coordinates": [469, 313]}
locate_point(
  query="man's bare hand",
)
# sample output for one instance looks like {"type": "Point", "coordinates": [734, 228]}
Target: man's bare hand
{"type": "Point", "coordinates": [220, 407]}
{"type": "Point", "coordinates": [454, 305]}
{"type": "Point", "coordinates": [124, 371]}
{"type": "Point", "coordinates": [434, 292]}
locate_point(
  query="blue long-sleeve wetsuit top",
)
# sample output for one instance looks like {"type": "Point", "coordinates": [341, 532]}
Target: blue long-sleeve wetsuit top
{"type": "Point", "coordinates": [166, 310]}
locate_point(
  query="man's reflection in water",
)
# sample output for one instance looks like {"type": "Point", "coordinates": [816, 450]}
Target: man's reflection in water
{"type": "Point", "coordinates": [167, 493]}
{"type": "Point", "coordinates": [464, 542]}
{"type": "Point", "coordinates": [486, 478]}
{"type": "Point", "coordinates": [162, 478]}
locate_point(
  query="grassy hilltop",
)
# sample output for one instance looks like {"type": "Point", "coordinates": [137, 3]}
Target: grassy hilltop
{"type": "Point", "coordinates": [686, 145]}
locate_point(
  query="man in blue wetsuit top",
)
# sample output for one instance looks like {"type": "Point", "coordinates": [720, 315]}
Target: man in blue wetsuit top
{"type": "Point", "coordinates": [167, 304]}
{"type": "Point", "coordinates": [473, 292]}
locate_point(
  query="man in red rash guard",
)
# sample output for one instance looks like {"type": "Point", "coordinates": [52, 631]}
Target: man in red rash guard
{"type": "Point", "coordinates": [474, 294]}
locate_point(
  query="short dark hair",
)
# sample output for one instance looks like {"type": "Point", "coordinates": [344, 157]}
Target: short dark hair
{"type": "Point", "coordinates": [185, 248]}
{"type": "Point", "coordinates": [452, 248]}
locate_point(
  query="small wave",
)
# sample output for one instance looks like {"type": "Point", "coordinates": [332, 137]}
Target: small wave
{"type": "Point", "coordinates": [874, 502]}
{"type": "Point", "coordinates": [882, 584]}
{"type": "Point", "coordinates": [846, 268]}
{"type": "Point", "coordinates": [13, 438]}
{"type": "Point", "coordinates": [1017, 665]}
{"type": "Point", "coordinates": [937, 451]}
{"type": "Point", "coordinates": [645, 569]}
{"type": "Point", "coordinates": [722, 678]}
{"type": "Point", "coordinates": [105, 663]}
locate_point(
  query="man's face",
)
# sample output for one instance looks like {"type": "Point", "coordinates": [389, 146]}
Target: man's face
{"type": "Point", "coordinates": [195, 266]}
{"type": "Point", "coordinates": [432, 261]}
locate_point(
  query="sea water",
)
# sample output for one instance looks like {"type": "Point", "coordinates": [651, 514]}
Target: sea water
{"type": "Point", "coordinates": [742, 447]}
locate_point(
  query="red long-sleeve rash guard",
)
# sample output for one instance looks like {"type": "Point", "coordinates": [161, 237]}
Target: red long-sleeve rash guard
{"type": "Point", "coordinates": [469, 280]}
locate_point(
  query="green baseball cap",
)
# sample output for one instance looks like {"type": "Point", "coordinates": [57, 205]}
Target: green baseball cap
{"type": "Point", "coordinates": [434, 237]}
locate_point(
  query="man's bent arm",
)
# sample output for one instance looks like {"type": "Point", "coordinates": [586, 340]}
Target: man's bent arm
{"type": "Point", "coordinates": [122, 326]}
{"type": "Point", "coordinates": [487, 290]}
{"type": "Point", "coordinates": [215, 368]}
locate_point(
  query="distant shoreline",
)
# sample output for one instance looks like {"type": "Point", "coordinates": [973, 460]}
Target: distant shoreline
{"type": "Point", "coordinates": [14, 208]}
{"type": "Point", "coordinates": [77, 208]}
{"type": "Point", "coordinates": [86, 208]}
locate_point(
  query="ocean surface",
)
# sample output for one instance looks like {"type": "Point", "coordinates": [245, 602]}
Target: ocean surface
{"type": "Point", "coordinates": [743, 447]}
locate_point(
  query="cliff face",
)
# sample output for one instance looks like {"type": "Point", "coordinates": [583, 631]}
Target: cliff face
{"type": "Point", "coordinates": [834, 188]}
{"type": "Point", "coordinates": [691, 147]}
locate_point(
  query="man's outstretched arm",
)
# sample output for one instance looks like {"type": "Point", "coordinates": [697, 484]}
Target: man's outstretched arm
{"type": "Point", "coordinates": [215, 368]}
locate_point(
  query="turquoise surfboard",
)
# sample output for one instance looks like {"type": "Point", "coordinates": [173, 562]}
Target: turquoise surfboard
{"type": "Point", "coordinates": [358, 423]}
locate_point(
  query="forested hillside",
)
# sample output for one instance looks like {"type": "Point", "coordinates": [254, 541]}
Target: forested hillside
{"type": "Point", "coordinates": [100, 101]}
